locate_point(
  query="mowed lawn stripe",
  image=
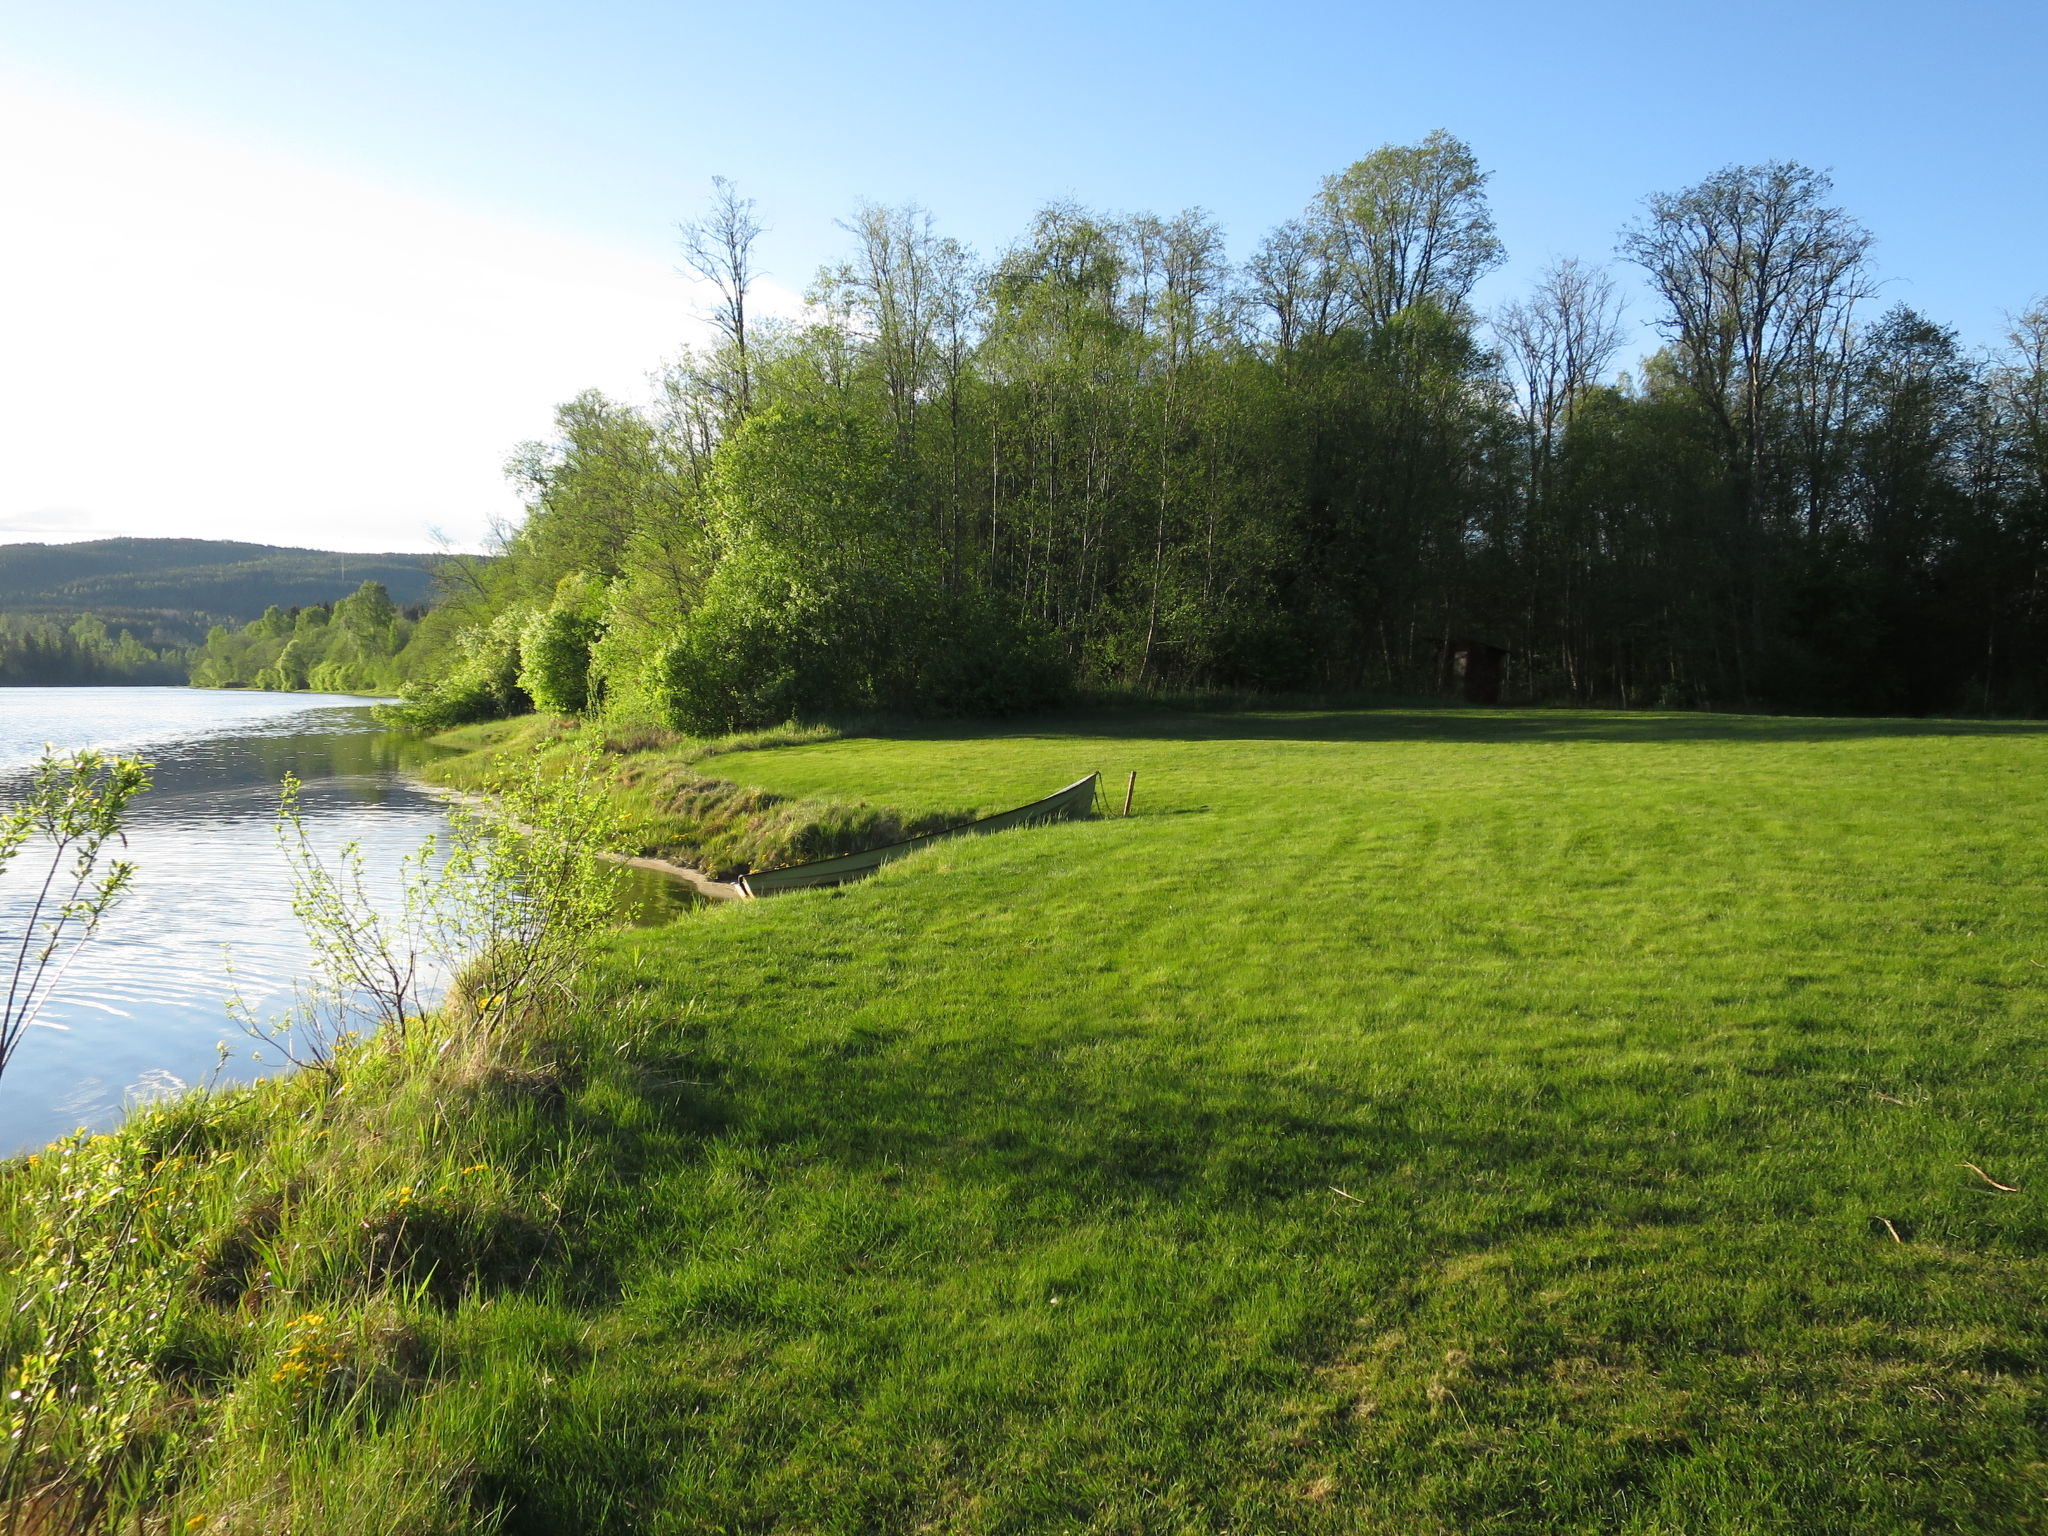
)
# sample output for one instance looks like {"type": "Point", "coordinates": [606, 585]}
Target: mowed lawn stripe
{"type": "Point", "coordinates": [1407, 1121]}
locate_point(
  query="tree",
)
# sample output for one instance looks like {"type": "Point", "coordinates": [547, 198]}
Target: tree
{"type": "Point", "coordinates": [719, 248]}
{"type": "Point", "coordinates": [1760, 277]}
{"type": "Point", "coordinates": [2016, 499]}
{"type": "Point", "coordinates": [1412, 225]}
{"type": "Point", "coordinates": [1558, 343]}
{"type": "Point", "coordinates": [1757, 273]}
{"type": "Point", "coordinates": [889, 292]}
{"type": "Point", "coordinates": [589, 493]}
{"type": "Point", "coordinates": [1295, 279]}
{"type": "Point", "coordinates": [367, 614]}
{"type": "Point", "coordinates": [1309, 472]}
{"type": "Point", "coordinates": [2020, 385]}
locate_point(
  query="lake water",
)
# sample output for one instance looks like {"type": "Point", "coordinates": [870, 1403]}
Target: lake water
{"type": "Point", "coordinates": [142, 1010]}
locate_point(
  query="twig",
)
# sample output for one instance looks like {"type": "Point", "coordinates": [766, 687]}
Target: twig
{"type": "Point", "coordinates": [1888, 1098]}
{"type": "Point", "coordinates": [1891, 1229]}
{"type": "Point", "coordinates": [1346, 1194]}
{"type": "Point", "coordinates": [2010, 1189]}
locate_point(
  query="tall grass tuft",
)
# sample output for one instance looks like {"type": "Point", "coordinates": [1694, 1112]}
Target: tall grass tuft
{"type": "Point", "coordinates": [257, 1309]}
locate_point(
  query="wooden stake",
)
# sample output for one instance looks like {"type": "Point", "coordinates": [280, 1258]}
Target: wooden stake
{"type": "Point", "coordinates": [1130, 789]}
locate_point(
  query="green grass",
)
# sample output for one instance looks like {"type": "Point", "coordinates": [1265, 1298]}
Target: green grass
{"type": "Point", "coordinates": [668, 805]}
{"type": "Point", "coordinates": [1407, 1122]}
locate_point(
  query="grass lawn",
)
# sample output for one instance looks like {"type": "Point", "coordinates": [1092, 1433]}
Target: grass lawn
{"type": "Point", "coordinates": [1407, 1122]}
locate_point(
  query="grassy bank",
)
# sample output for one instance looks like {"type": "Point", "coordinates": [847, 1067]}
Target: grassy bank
{"type": "Point", "coordinates": [675, 803]}
{"type": "Point", "coordinates": [1408, 1122]}
{"type": "Point", "coordinates": [325, 1303]}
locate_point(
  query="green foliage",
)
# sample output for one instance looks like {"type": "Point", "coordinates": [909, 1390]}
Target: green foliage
{"type": "Point", "coordinates": [481, 682]}
{"type": "Point", "coordinates": [350, 648]}
{"type": "Point", "coordinates": [554, 658]}
{"type": "Point", "coordinates": [1415, 222]}
{"type": "Point", "coordinates": [608, 496]}
{"type": "Point", "coordinates": [735, 668]}
{"type": "Point", "coordinates": [43, 650]}
{"type": "Point", "coordinates": [738, 665]}
{"type": "Point", "coordinates": [524, 888]}
{"type": "Point", "coordinates": [825, 603]}
{"type": "Point", "coordinates": [242, 1309]}
{"type": "Point", "coordinates": [979, 658]}
{"type": "Point", "coordinates": [511, 894]}
{"type": "Point", "coordinates": [73, 805]}
{"type": "Point", "coordinates": [373, 969]}
{"type": "Point", "coordinates": [1106, 458]}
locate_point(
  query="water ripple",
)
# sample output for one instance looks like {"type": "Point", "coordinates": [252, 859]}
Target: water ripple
{"type": "Point", "coordinates": [145, 1007]}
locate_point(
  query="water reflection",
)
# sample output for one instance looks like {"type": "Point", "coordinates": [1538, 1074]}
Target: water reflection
{"type": "Point", "coordinates": [144, 1008]}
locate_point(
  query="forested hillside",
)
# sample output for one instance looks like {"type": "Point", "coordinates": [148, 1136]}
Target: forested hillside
{"type": "Point", "coordinates": [220, 579]}
{"type": "Point", "coordinates": [44, 651]}
{"type": "Point", "coordinates": [1111, 456]}
{"type": "Point", "coordinates": [142, 611]}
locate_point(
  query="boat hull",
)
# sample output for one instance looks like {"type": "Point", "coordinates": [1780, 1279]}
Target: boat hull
{"type": "Point", "coordinates": [1068, 804]}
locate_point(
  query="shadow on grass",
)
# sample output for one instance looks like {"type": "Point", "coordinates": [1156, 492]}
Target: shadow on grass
{"type": "Point", "coordinates": [984, 1113]}
{"type": "Point", "coordinates": [767, 1319]}
{"type": "Point", "coordinates": [1452, 723]}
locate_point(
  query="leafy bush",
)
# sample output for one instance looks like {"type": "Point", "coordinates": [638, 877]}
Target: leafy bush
{"type": "Point", "coordinates": [746, 661]}
{"type": "Point", "coordinates": [74, 805]}
{"type": "Point", "coordinates": [737, 668]}
{"type": "Point", "coordinates": [979, 659]}
{"type": "Point", "coordinates": [483, 686]}
{"type": "Point", "coordinates": [554, 661]}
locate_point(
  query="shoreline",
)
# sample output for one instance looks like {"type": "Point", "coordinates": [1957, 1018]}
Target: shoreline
{"type": "Point", "coordinates": [703, 884]}
{"type": "Point", "coordinates": [696, 879]}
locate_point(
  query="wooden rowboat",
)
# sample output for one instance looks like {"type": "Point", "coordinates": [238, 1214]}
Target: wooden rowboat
{"type": "Point", "coordinates": [1076, 800]}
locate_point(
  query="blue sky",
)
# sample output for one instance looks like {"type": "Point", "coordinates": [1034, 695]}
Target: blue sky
{"type": "Point", "coordinates": [541, 131]}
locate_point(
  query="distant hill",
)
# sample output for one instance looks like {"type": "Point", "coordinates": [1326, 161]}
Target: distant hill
{"type": "Point", "coordinates": [174, 583]}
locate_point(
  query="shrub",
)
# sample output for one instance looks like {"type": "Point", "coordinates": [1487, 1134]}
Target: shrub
{"type": "Point", "coordinates": [737, 666]}
{"type": "Point", "coordinates": [483, 686]}
{"type": "Point", "coordinates": [981, 659]}
{"type": "Point", "coordinates": [554, 661]}
{"type": "Point", "coordinates": [745, 665]}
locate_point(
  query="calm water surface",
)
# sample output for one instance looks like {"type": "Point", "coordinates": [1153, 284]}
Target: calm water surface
{"type": "Point", "coordinates": [142, 1010]}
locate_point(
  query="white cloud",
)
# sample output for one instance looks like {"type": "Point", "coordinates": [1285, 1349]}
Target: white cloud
{"type": "Point", "coordinates": [200, 339]}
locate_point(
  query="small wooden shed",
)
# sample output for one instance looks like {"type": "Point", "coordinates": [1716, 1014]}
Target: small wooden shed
{"type": "Point", "coordinates": [1475, 666]}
